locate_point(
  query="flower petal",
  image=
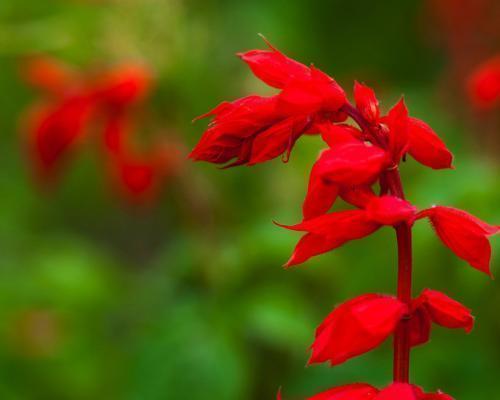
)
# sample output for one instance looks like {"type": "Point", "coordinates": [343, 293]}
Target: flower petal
{"type": "Point", "coordinates": [464, 234]}
{"type": "Point", "coordinates": [328, 232]}
{"type": "Point", "coordinates": [366, 102]}
{"type": "Point", "coordinates": [397, 121]}
{"type": "Point", "coordinates": [337, 134]}
{"type": "Point", "coordinates": [390, 210]}
{"type": "Point", "coordinates": [353, 163]}
{"type": "Point", "coordinates": [426, 147]}
{"type": "Point", "coordinates": [398, 391]}
{"type": "Point", "coordinates": [320, 196]}
{"type": "Point", "coordinates": [355, 327]}
{"type": "Point", "coordinates": [445, 311]}
{"type": "Point", "coordinates": [273, 67]}
{"type": "Point", "coordinates": [356, 391]}
{"type": "Point", "coordinates": [277, 139]}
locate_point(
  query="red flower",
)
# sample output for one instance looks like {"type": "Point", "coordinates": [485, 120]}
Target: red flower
{"type": "Point", "coordinates": [76, 103]}
{"type": "Point", "coordinates": [255, 129]}
{"type": "Point", "coordinates": [351, 163]}
{"type": "Point", "coordinates": [363, 391]}
{"type": "Point", "coordinates": [434, 306]}
{"type": "Point", "coordinates": [426, 147]}
{"type": "Point", "coordinates": [356, 327]}
{"type": "Point", "coordinates": [466, 235]}
{"type": "Point", "coordinates": [366, 102]}
{"type": "Point", "coordinates": [137, 175]}
{"type": "Point", "coordinates": [273, 67]}
{"type": "Point", "coordinates": [329, 231]}
{"type": "Point", "coordinates": [53, 132]}
{"type": "Point", "coordinates": [484, 84]}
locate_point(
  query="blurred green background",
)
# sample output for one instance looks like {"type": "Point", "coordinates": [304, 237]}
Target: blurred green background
{"type": "Point", "coordinates": [187, 299]}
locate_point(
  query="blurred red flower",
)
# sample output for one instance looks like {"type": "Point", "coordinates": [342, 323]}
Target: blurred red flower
{"type": "Point", "coordinates": [76, 105]}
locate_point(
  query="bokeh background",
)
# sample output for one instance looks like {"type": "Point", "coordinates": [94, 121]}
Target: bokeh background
{"type": "Point", "coordinates": [186, 298]}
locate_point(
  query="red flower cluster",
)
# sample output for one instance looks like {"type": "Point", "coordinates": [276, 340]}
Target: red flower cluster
{"type": "Point", "coordinates": [73, 105]}
{"type": "Point", "coordinates": [256, 129]}
{"type": "Point", "coordinates": [484, 84]}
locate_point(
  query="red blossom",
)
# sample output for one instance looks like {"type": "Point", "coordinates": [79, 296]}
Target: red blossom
{"type": "Point", "coordinates": [466, 235]}
{"type": "Point", "coordinates": [366, 102]}
{"type": "Point", "coordinates": [390, 210]}
{"type": "Point", "coordinates": [435, 306]}
{"type": "Point", "coordinates": [426, 147]}
{"type": "Point", "coordinates": [363, 391]}
{"type": "Point", "coordinates": [256, 129]}
{"type": "Point", "coordinates": [273, 67]}
{"type": "Point", "coordinates": [351, 163]}
{"type": "Point", "coordinates": [78, 104]}
{"type": "Point", "coordinates": [355, 327]}
{"type": "Point", "coordinates": [329, 231]}
{"type": "Point", "coordinates": [397, 121]}
{"type": "Point", "coordinates": [320, 195]}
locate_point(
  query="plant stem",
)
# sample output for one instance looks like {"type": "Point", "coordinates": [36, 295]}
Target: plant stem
{"type": "Point", "coordinates": [391, 178]}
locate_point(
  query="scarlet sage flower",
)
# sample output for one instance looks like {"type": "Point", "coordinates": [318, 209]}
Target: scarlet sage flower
{"type": "Point", "coordinates": [77, 104]}
{"type": "Point", "coordinates": [358, 158]}
{"type": "Point", "coordinates": [255, 129]}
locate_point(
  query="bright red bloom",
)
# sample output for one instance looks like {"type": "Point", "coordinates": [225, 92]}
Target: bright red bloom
{"type": "Point", "coordinates": [426, 147]}
{"type": "Point", "coordinates": [256, 129]}
{"type": "Point", "coordinates": [273, 67]}
{"type": "Point", "coordinates": [366, 102]}
{"type": "Point", "coordinates": [351, 163]}
{"type": "Point", "coordinates": [355, 327]}
{"type": "Point", "coordinates": [363, 391]}
{"type": "Point", "coordinates": [484, 84]}
{"type": "Point", "coordinates": [75, 106]}
{"type": "Point", "coordinates": [390, 210]}
{"type": "Point", "coordinates": [329, 231]}
{"type": "Point", "coordinates": [320, 195]}
{"type": "Point", "coordinates": [433, 306]}
{"type": "Point", "coordinates": [466, 235]}
{"type": "Point", "coordinates": [137, 175]}
{"type": "Point", "coordinates": [53, 132]}
{"type": "Point", "coordinates": [397, 121]}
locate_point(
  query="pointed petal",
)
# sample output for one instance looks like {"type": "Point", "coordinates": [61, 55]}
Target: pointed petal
{"type": "Point", "coordinates": [445, 311]}
{"type": "Point", "coordinates": [426, 147]}
{"type": "Point", "coordinates": [275, 140]}
{"type": "Point", "coordinates": [273, 67]}
{"type": "Point", "coordinates": [356, 327]}
{"type": "Point", "coordinates": [397, 121]}
{"type": "Point", "coordinates": [328, 232]}
{"type": "Point", "coordinates": [320, 196]}
{"type": "Point", "coordinates": [464, 234]}
{"type": "Point", "coordinates": [366, 102]}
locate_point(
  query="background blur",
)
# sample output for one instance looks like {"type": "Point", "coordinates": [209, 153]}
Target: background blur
{"type": "Point", "coordinates": [185, 298]}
